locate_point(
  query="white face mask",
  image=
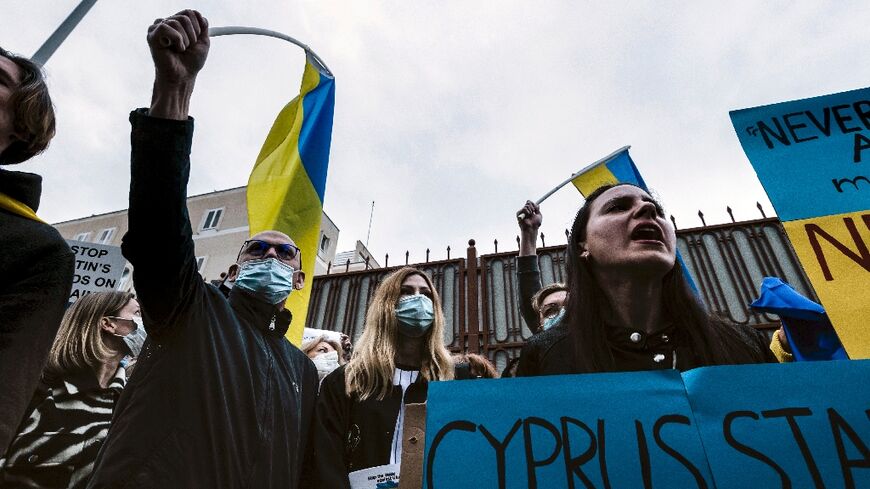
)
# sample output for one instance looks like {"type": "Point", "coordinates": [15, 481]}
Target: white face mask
{"type": "Point", "coordinates": [136, 338]}
{"type": "Point", "coordinates": [325, 363]}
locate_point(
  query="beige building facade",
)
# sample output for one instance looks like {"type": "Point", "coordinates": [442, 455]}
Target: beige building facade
{"type": "Point", "coordinates": [219, 221]}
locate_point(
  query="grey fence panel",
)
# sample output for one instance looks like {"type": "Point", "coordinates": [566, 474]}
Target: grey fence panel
{"type": "Point", "coordinates": [339, 301]}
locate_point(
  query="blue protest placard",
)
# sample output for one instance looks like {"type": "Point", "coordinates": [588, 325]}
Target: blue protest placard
{"type": "Point", "coordinates": [750, 426]}
{"type": "Point", "coordinates": [599, 430]}
{"type": "Point", "coordinates": [791, 425]}
{"type": "Point", "coordinates": [812, 156]}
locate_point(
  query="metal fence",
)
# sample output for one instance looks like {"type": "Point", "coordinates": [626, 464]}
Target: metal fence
{"type": "Point", "coordinates": [479, 293]}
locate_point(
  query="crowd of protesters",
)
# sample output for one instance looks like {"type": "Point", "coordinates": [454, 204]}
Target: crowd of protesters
{"type": "Point", "coordinates": [217, 396]}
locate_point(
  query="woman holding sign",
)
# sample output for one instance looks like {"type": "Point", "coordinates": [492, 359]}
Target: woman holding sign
{"type": "Point", "coordinates": [68, 419]}
{"type": "Point", "coordinates": [629, 305]}
{"type": "Point", "coordinates": [357, 433]}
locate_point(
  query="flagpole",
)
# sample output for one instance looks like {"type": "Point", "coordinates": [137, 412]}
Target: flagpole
{"type": "Point", "coordinates": [233, 29]}
{"type": "Point", "coordinates": [256, 31]}
{"type": "Point", "coordinates": [574, 175]}
{"type": "Point", "coordinates": [60, 34]}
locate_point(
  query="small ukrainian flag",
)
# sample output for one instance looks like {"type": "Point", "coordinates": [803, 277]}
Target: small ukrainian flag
{"type": "Point", "coordinates": [619, 168]}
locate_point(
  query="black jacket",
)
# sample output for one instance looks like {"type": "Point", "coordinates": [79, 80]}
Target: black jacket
{"type": "Point", "coordinates": [349, 435]}
{"type": "Point", "coordinates": [552, 352]}
{"type": "Point", "coordinates": [529, 279]}
{"type": "Point", "coordinates": [36, 267]}
{"type": "Point", "coordinates": [219, 397]}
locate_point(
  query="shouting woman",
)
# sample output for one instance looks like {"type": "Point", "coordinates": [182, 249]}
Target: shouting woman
{"type": "Point", "coordinates": [629, 305]}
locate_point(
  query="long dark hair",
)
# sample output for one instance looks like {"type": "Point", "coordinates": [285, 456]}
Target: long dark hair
{"type": "Point", "coordinates": [712, 340]}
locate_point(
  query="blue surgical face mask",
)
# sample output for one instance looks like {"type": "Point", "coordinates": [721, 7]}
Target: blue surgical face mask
{"type": "Point", "coordinates": [135, 339]}
{"type": "Point", "coordinates": [266, 278]}
{"type": "Point", "coordinates": [553, 320]}
{"type": "Point", "coordinates": [415, 314]}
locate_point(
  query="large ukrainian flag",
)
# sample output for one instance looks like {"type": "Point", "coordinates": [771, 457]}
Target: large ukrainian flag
{"type": "Point", "coordinates": [618, 168]}
{"type": "Point", "coordinates": [286, 187]}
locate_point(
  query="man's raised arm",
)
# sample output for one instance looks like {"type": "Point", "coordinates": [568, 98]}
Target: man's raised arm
{"type": "Point", "coordinates": [159, 242]}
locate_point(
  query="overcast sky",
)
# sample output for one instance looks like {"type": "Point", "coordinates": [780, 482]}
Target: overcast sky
{"type": "Point", "coordinates": [450, 114]}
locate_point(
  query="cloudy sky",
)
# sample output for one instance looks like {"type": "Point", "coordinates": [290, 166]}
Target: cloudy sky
{"type": "Point", "coordinates": [450, 114]}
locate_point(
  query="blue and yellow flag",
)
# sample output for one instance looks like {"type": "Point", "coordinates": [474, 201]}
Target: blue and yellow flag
{"type": "Point", "coordinates": [618, 168]}
{"type": "Point", "coordinates": [288, 182]}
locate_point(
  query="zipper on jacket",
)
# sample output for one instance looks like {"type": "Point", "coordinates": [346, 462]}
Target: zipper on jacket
{"type": "Point", "coordinates": [272, 324]}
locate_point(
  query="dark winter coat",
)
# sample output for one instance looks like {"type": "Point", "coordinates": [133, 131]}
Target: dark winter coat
{"type": "Point", "coordinates": [36, 267]}
{"type": "Point", "coordinates": [219, 398]}
{"type": "Point", "coordinates": [349, 434]}
{"type": "Point", "coordinates": [551, 352]}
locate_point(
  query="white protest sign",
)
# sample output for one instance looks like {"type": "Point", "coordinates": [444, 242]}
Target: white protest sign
{"type": "Point", "coordinates": [98, 268]}
{"type": "Point", "coordinates": [380, 477]}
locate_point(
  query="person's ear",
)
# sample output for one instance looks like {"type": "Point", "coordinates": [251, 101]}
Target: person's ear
{"type": "Point", "coordinates": [232, 273]}
{"type": "Point", "coordinates": [107, 325]}
{"type": "Point", "coordinates": [299, 280]}
{"type": "Point", "coordinates": [584, 253]}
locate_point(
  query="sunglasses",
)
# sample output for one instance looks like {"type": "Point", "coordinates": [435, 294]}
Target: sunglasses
{"type": "Point", "coordinates": [257, 248]}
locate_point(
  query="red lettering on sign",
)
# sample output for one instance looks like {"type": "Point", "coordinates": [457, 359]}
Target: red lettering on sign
{"type": "Point", "coordinates": [862, 257]}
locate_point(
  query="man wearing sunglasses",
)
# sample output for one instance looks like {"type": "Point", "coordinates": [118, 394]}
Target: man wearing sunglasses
{"type": "Point", "coordinates": [269, 264]}
{"type": "Point", "coordinates": [220, 398]}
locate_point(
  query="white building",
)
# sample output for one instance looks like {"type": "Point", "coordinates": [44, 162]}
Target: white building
{"type": "Point", "coordinates": [219, 221]}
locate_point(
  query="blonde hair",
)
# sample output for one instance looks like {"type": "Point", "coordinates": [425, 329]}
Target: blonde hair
{"type": "Point", "coordinates": [79, 342]}
{"type": "Point", "coordinates": [311, 344]}
{"type": "Point", "coordinates": [369, 374]}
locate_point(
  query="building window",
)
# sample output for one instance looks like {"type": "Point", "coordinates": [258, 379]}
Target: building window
{"type": "Point", "coordinates": [324, 242]}
{"type": "Point", "coordinates": [200, 262]}
{"type": "Point", "coordinates": [105, 236]}
{"type": "Point", "coordinates": [212, 217]}
{"type": "Point", "coordinates": [82, 236]}
{"type": "Point", "coordinates": [125, 278]}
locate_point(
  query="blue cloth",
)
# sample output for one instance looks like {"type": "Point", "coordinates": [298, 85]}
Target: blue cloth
{"type": "Point", "coordinates": [810, 333]}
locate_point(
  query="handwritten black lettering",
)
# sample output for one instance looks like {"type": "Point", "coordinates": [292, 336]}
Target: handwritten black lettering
{"type": "Point", "coordinates": [657, 436]}
{"type": "Point", "coordinates": [803, 126]}
{"type": "Point", "coordinates": [602, 458]}
{"type": "Point", "coordinates": [790, 414]}
{"type": "Point", "coordinates": [500, 447]}
{"type": "Point", "coordinates": [749, 451]}
{"type": "Point", "coordinates": [643, 451]}
{"type": "Point", "coordinates": [794, 126]}
{"type": "Point", "coordinates": [861, 143]}
{"type": "Point", "coordinates": [862, 109]}
{"type": "Point", "coordinates": [531, 462]}
{"type": "Point", "coordinates": [460, 425]}
{"type": "Point", "coordinates": [838, 183]}
{"type": "Point", "coordinates": [838, 427]}
{"type": "Point", "coordinates": [842, 119]}
{"type": "Point", "coordinates": [823, 127]}
{"type": "Point", "coordinates": [861, 258]}
{"type": "Point", "coordinates": [573, 465]}
{"type": "Point", "coordinates": [767, 133]}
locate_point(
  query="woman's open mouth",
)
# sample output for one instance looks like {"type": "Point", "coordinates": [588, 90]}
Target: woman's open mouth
{"type": "Point", "coordinates": [648, 232]}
